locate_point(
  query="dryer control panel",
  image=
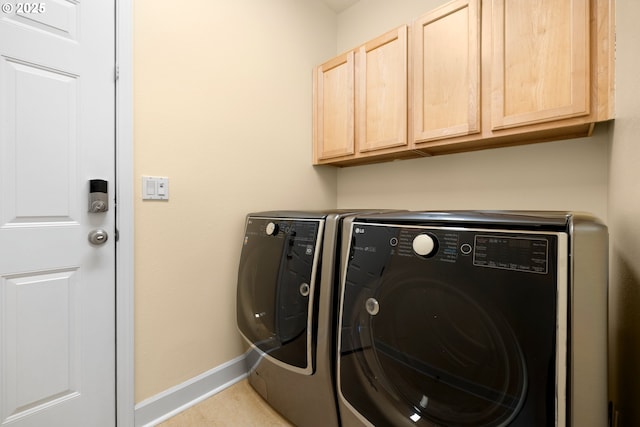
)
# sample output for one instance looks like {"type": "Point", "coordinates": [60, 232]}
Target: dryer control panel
{"type": "Point", "coordinates": [511, 253]}
{"type": "Point", "coordinates": [478, 248]}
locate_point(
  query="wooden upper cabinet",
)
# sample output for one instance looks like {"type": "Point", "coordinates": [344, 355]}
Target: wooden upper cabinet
{"type": "Point", "coordinates": [446, 72]}
{"type": "Point", "coordinates": [381, 92]}
{"type": "Point", "coordinates": [360, 101]}
{"type": "Point", "coordinates": [540, 64]}
{"type": "Point", "coordinates": [334, 98]}
{"type": "Point", "coordinates": [469, 75]}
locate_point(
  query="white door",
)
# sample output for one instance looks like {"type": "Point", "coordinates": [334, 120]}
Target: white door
{"type": "Point", "coordinates": [57, 308]}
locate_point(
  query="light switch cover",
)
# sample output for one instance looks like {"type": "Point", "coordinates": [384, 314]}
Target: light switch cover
{"type": "Point", "coordinates": [155, 188]}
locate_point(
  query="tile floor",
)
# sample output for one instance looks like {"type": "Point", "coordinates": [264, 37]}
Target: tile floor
{"type": "Point", "coordinates": [237, 406]}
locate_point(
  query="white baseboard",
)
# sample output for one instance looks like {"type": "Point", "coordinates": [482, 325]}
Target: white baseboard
{"type": "Point", "coordinates": [167, 404]}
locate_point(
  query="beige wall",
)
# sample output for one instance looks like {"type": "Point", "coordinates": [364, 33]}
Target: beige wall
{"type": "Point", "coordinates": [222, 98]}
{"type": "Point", "coordinates": [566, 175]}
{"type": "Point", "coordinates": [624, 218]}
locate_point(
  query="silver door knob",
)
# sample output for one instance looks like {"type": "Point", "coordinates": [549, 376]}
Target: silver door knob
{"type": "Point", "coordinates": [98, 237]}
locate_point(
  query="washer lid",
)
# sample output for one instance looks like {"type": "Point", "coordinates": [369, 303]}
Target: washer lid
{"type": "Point", "coordinates": [518, 220]}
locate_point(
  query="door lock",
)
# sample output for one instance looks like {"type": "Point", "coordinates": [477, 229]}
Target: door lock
{"type": "Point", "coordinates": [98, 196]}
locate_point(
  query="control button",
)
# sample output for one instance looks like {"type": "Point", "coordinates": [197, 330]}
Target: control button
{"type": "Point", "coordinates": [272, 229]}
{"type": "Point", "coordinates": [466, 249]}
{"type": "Point", "coordinates": [394, 241]}
{"type": "Point", "coordinates": [424, 245]}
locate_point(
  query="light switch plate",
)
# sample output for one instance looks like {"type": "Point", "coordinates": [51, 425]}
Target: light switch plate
{"type": "Point", "coordinates": [155, 188]}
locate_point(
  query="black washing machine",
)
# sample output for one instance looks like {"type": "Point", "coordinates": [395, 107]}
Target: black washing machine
{"type": "Point", "coordinates": [473, 319]}
{"type": "Point", "coordinates": [287, 295]}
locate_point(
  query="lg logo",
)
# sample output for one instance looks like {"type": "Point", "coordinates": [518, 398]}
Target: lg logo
{"type": "Point", "coordinates": [359, 230]}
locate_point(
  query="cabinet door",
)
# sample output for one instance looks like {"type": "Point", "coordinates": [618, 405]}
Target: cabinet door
{"type": "Point", "coordinates": [334, 109]}
{"type": "Point", "coordinates": [381, 92]}
{"type": "Point", "coordinates": [447, 71]}
{"type": "Point", "coordinates": [540, 61]}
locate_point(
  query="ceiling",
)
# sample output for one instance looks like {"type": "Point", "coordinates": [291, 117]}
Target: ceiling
{"type": "Point", "coordinates": [339, 5]}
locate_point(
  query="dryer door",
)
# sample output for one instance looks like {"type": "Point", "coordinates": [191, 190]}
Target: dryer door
{"type": "Point", "coordinates": [435, 340]}
{"type": "Point", "coordinates": [276, 287]}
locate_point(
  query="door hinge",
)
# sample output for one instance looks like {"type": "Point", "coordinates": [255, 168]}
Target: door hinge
{"type": "Point", "coordinates": [116, 74]}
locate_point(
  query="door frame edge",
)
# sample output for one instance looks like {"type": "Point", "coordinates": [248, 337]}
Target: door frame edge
{"type": "Point", "coordinates": [125, 378]}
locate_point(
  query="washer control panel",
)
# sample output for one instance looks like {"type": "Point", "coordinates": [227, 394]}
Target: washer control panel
{"type": "Point", "coordinates": [478, 248]}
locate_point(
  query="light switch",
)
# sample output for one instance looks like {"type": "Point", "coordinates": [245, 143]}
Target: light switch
{"type": "Point", "coordinates": [155, 188]}
{"type": "Point", "coordinates": [151, 187]}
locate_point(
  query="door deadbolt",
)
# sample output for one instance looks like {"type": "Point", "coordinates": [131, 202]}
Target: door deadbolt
{"type": "Point", "coordinates": [98, 237]}
{"type": "Point", "coordinates": [98, 196]}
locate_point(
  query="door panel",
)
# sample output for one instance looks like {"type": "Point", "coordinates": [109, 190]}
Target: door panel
{"type": "Point", "coordinates": [41, 142]}
{"type": "Point", "coordinates": [42, 340]}
{"type": "Point", "coordinates": [447, 75]}
{"type": "Point", "coordinates": [381, 91]}
{"type": "Point", "coordinates": [60, 18]}
{"type": "Point", "coordinates": [335, 101]}
{"type": "Point", "coordinates": [57, 290]}
{"type": "Point", "coordinates": [540, 62]}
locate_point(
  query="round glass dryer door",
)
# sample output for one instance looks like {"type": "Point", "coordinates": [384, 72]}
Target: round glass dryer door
{"type": "Point", "coordinates": [466, 368]}
{"type": "Point", "coordinates": [431, 339]}
{"type": "Point", "coordinates": [275, 287]}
